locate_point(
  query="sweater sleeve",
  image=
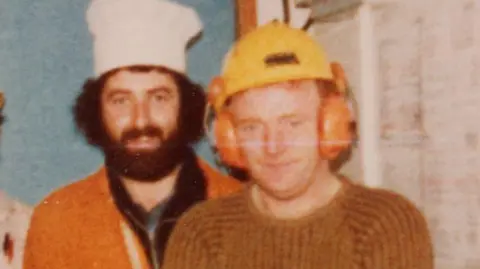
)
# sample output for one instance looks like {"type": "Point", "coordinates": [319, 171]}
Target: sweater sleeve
{"type": "Point", "coordinates": [186, 248]}
{"type": "Point", "coordinates": [400, 240]}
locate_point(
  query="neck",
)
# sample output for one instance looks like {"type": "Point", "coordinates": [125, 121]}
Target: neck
{"type": "Point", "coordinates": [150, 194]}
{"type": "Point", "coordinates": [321, 190]}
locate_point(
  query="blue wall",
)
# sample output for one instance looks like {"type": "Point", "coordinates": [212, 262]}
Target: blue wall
{"type": "Point", "coordinates": [45, 56]}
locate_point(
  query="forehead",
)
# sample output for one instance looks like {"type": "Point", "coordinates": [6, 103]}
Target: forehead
{"type": "Point", "coordinates": [137, 81]}
{"type": "Point", "coordinates": [277, 99]}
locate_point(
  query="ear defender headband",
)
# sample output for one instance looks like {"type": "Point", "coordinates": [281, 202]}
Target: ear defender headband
{"type": "Point", "coordinates": [335, 121]}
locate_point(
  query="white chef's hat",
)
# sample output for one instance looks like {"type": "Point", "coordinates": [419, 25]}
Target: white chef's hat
{"type": "Point", "coordinates": [141, 32]}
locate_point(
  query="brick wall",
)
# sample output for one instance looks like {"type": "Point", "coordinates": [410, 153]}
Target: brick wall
{"type": "Point", "coordinates": [428, 59]}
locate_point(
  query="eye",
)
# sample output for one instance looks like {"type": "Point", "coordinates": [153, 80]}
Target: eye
{"type": "Point", "coordinates": [249, 127]}
{"type": "Point", "coordinates": [119, 100]}
{"type": "Point", "coordinates": [293, 122]}
{"type": "Point", "coordinates": [159, 97]}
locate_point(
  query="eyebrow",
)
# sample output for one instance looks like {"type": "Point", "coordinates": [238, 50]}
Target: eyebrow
{"type": "Point", "coordinates": [166, 89]}
{"type": "Point", "coordinates": [282, 117]}
{"type": "Point", "coordinates": [114, 91]}
{"type": "Point", "coordinates": [246, 121]}
{"type": "Point", "coordinates": [290, 115]}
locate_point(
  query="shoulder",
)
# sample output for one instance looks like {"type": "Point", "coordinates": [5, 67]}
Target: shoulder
{"type": "Point", "coordinates": [60, 219]}
{"type": "Point", "coordinates": [379, 203]}
{"type": "Point", "coordinates": [201, 232]}
{"type": "Point", "coordinates": [219, 184]}
{"type": "Point", "coordinates": [210, 215]}
{"type": "Point", "coordinates": [71, 198]}
{"type": "Point", "coordinates": [382, 209]}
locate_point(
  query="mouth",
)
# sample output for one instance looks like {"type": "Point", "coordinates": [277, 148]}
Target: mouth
{"type": "Point", "coordinates": [279, 165]}
{"type": "Point", "coordinates": [143, 143]}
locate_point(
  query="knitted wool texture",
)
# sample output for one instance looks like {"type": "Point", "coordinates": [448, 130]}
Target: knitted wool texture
{"type": "Point", "coordinates": [361, 228]}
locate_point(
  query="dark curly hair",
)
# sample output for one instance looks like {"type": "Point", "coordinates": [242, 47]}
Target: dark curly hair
{"type": "Point", "coordinates": [87, 107]}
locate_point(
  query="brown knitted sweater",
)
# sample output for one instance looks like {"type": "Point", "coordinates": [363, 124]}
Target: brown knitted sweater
{"type": "Point", "coordinates": [362, 228]}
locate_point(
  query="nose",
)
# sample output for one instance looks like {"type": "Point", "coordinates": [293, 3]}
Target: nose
{"type": "Point", "coordinates": [141, 115]}
{"type": "Point", "coordinates": [274, 141]}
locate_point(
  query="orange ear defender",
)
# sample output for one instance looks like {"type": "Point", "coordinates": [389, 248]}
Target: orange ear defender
{"type": "Point", "coordinates": [336, 117]}
{"type": "Point", "coordinates": [223, 139]}
{"type": "Point", "coordinates": [334, 126]}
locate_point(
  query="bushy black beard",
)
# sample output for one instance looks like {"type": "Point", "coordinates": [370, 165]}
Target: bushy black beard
{"type": "Point", "coordinates": [146, 166]}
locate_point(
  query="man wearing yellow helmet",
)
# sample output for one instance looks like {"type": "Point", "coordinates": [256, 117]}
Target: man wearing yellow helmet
{"type": "Point", "coordinates": [281, 115]}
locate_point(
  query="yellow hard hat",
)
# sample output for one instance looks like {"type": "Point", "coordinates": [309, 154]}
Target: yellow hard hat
{"type": "Point", "coordinates": [269, 54]}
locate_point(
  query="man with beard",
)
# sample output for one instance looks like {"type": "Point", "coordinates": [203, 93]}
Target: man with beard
{"type": "Point", "coordinates": [142, 111]}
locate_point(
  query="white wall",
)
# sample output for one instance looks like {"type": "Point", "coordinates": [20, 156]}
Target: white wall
{"type": "Point", "coordinates": [268, 10]}
{"type": "Point", "coordinates": [428, 100]}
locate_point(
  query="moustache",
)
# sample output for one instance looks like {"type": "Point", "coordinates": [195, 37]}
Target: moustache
{"type": "Point", "coordinates": [135, 133]}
